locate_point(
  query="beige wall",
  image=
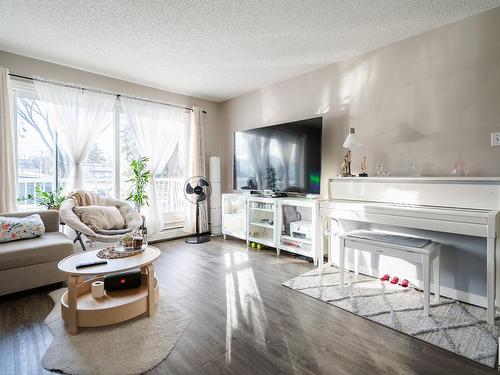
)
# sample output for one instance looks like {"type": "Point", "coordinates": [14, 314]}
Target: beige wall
{"type": "Point", "coordinates": [429, 99]}
{"type": "Point", "coordinates": [29, 67]}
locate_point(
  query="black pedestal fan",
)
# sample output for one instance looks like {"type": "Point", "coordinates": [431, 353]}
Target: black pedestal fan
{"type": "Point", "coordinates": [197, 190]}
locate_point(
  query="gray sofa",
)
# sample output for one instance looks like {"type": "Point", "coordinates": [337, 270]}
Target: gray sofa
{"type": "Point", "coordinates": [30, 263]}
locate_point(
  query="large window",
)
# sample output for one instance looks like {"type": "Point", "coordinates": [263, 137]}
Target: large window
{"type": "Point", "coordinates": [98, 166]}
{"type": "Point", "coordinates": [36, 147]}
{"type": "Point", "coordinates": [169, 183]}
{"type": "Point", "coordinates": [41, 160]}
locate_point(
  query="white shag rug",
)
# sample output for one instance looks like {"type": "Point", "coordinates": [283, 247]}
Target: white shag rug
{"type": "Point", "coordinates": [455, 326]}
{"type": "Point", "coordinates": [131, 347]}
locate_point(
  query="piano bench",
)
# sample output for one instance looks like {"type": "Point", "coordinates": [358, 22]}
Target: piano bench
{"type": "Point", "coordinates": [411, 249]}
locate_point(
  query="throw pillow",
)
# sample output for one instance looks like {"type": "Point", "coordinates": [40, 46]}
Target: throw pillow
{"type": "Point", "coordinates": [18, 228]}
{"type": "Point", "coordinates": [100, 217]}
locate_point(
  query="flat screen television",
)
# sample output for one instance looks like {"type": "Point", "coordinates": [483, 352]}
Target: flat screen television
{"type": "Point", "coordinates": [283, 158]}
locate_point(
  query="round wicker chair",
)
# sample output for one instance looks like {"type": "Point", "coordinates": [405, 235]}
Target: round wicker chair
{"type": "Point", "coordinates": [133, 219]}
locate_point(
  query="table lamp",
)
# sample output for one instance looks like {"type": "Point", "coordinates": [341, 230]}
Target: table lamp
{"type": "Point", "coordinates": [351, 142]}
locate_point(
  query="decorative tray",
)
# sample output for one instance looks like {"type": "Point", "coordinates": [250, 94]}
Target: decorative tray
{"type": "Point", "coordinates": [115, 252]}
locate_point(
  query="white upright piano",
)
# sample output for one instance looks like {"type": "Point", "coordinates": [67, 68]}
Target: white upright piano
{"type": "Point", "coordinates": [459, 205]}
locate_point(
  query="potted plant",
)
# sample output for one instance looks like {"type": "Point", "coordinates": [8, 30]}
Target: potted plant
{"type": "Point", "coordinates": [140, 179]}
{"type": "Point", "coordinates": [128, 240]}
{"type": "Point", "coordinates": [271, 178]}
{"type": "Point", "coordinates": [50, 199]}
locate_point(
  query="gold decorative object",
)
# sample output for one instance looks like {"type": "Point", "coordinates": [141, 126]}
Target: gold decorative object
{"type": "Point", "coordinates": [345, 168]}
{"type": "Point", "coordinates": [351, 142]}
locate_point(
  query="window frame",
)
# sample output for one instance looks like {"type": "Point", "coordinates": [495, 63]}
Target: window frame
{"type": "Point", "coordinates": [28, 91]}
{"type": "Point", "coordinates": [22, 88]}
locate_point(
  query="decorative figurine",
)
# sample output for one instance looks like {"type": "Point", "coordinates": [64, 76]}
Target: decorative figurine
{"type": "Point", "coordinates": [459, 169]}
{"type": "Point", "coordinates": [381, 172]}
{"type": "Point", "coordinates": [364, 168]}
{"type": "Point", "coordinates": [414, 169]}
{"type": "Point", "coordinates": [345, 168]}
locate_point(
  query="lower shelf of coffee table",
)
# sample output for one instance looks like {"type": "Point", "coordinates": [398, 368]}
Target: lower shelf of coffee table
{"type": "Point", "coordinates": [114, 307]}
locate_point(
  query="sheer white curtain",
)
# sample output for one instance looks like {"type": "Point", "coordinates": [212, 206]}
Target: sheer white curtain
{"type": "Point", "coordinates": [258, 150]}
{"type": "Point", "coordinates": [7, 157]}
{"type": "Point", "coordinates": [196, 167]}
{"type": "Point", "coordinates": [157, 129]}
{"type": "Point", "coordinates": [288, 147]}
{"type": "Point", "coordinates": [78, 116]}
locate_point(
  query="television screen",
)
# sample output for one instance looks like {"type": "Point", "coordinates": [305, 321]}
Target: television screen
{"type": "Point", "coordinates": [285, 157]}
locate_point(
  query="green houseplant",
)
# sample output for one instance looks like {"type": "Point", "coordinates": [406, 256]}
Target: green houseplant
{"type": "Point", "coordinates": [271, 178]}
{"type": "Point", "coordinates": [49, 199]}
{"type": "Point", "coordinates": [140, 179]}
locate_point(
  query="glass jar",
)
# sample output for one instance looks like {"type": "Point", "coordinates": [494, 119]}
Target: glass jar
{"type": "Point", "coordinates": [137, 240]}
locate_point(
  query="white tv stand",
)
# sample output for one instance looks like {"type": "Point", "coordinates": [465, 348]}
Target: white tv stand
{"type": "Point", "coordinates": [261, 220]}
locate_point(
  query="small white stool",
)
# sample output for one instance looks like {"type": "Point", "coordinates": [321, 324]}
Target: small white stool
{"type": "Point", "coordinates": [421, 255]}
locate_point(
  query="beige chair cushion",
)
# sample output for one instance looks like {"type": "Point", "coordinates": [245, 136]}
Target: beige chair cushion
{"type": "Point", "coordinates": [133, 219]}
{"type": "Point", "coordinates": [52, 246]}
{"type": "Point", "coordinates": [100, 217]}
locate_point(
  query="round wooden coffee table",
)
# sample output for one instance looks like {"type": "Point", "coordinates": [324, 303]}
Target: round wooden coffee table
{"type": "Point", "coordinates": [80, 309]}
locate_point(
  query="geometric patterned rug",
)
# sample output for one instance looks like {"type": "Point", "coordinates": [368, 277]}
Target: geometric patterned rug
{"type": "Point", "coordinates": [455, 326]}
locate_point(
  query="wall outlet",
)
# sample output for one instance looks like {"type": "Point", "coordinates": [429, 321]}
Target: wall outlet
{"type": "Point", "coordinates": [495, 139]}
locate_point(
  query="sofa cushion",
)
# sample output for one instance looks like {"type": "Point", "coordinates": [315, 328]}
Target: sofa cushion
{"type": "Point", "coordinates": [100, 217]}
{"type": "Point", "coordinates": [50, 218]}
{"type": "Point", "coordinates": [50, 247]}
{"type": "Point", "coordinates": [19, 228]}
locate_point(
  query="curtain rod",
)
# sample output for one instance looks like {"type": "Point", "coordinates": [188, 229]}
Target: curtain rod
{"type": "Point", "coordinates": [103, 92]}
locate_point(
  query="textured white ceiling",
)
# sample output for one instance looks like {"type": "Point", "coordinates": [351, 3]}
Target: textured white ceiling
{"type": "Point", "coordinates": [215, 49]}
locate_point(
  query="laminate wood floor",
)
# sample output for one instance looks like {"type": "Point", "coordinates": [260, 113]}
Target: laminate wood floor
{"type": "Point", "coordinates": [243, 322]}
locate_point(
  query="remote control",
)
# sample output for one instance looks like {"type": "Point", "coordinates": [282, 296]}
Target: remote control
{"type": "Point", "coordinates": [90, 264]}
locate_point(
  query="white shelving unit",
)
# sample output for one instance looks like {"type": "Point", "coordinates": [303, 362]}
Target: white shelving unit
{"type": "Point", "coordinates": [305, 214]}
{"type": "Point", "coordinates": [261, 209]}
{"type": "Point", "coordinates": [234, 216]}
{"type": "Point", "coordinates": [261, 220]}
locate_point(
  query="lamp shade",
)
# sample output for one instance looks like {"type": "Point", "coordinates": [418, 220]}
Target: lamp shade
{"type": "Point", "coordinates": [352, 140]}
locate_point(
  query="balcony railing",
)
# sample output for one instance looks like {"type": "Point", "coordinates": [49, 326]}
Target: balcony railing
{"type": "Point", "coordinates": [170, 191]}
{"type": "Point", "coordinates": [27, 186]}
